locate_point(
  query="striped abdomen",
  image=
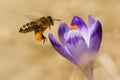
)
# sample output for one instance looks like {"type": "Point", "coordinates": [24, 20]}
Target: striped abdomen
{"type": "Point", "coordinates": [29, 27]}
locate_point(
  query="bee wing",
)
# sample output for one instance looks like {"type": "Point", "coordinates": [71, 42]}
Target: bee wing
{"type": "Point", "coordinates": [31, 17]}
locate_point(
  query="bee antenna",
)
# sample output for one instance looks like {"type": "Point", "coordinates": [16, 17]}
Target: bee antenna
{"type": "Point", "coordinates": [57, 20]}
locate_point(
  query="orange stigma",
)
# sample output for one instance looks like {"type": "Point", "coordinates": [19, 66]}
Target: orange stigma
{"type": "Point", "coordinates": [38, 36]}
{"type": "Point", "coordinates": [73, 27]}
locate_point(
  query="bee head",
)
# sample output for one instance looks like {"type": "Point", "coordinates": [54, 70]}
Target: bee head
{"type": "Point", "coordinates": [50, 20]}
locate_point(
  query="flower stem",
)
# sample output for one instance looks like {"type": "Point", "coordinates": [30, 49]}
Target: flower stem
{"type": "Point", "coordinates": [88, 70]}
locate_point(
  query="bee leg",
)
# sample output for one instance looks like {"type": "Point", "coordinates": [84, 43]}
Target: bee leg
{"type": "Point", "coordinates": [44, 38]}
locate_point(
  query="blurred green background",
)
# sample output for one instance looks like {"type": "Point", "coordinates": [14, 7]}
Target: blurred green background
{"type": "Point", "coordinates": [24, 58]}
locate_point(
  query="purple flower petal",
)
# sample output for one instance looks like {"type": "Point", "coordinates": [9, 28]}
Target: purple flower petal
{"type": "Point", "coordinates": [78, 22]}
{"type": "Point", "coordinates": [76, 44]}
{"type": "Point", "coordinates": [96, 36]}
{"type": "Point", "coordinates": [62, 50]}
{"type": "Point", "coordinates": [63, 28]}
{"type": "Point", "coordinates": [91, 21]}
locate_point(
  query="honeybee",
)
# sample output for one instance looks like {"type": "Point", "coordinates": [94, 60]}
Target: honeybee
{"type": "Point", "coordinates": [38, 26]}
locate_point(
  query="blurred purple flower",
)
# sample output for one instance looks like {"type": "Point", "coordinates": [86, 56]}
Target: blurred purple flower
{"type": "Point", "coordinates": [79, 43]}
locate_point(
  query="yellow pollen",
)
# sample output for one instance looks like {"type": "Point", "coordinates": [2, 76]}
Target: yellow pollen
{"type": "Point", "coordinates": [38, 36]}
{"type": "Point", "coordinates": [73, 27]}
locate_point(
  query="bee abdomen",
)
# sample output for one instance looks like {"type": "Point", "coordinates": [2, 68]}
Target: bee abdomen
{"type": "Point", "coordinates": [21, 30]}
{"type": "Point", "coordinates": [28, 27]}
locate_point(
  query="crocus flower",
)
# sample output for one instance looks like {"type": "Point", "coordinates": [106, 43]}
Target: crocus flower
{"type": "Point", "coordinates": [80, 42]}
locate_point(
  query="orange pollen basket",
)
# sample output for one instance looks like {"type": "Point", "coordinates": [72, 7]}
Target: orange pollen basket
{"type": "Point", "coordinates": [38, 36]}
{"type": "Point", "coordinates": [73, 27]}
